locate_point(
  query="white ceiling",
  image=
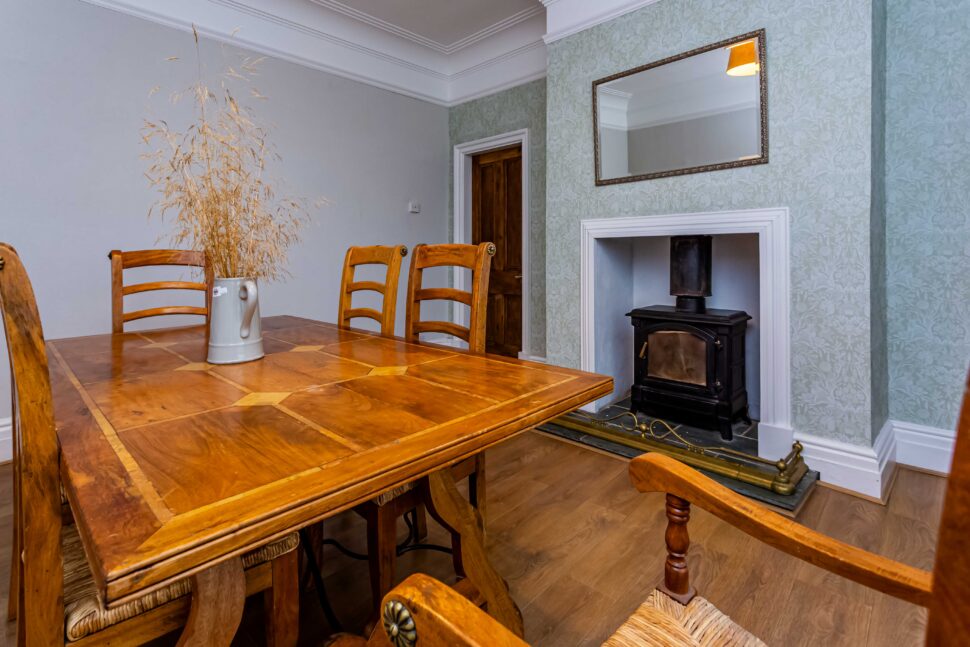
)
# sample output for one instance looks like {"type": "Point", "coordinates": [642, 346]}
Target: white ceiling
{"type": "Point", "coordinates": [443, 25]}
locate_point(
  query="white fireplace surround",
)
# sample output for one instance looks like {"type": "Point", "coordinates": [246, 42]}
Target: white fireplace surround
{"type": "Point", "coordinates": [771, 225]}
{"type": "Point", "coordinates": [867, 471]}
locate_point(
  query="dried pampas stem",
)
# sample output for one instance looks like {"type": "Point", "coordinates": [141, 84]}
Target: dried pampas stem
{"type": "Point", "coordinates": [210, 177]}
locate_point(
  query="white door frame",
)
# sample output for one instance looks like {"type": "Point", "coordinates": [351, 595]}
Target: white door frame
{"type": "Point", "coordinates": [462, 217]}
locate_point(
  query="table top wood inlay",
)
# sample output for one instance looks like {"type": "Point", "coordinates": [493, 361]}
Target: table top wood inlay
{"type": "Point", "coordinates": [171, 464]}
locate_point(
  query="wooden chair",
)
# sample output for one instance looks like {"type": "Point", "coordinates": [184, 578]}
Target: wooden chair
{"type": "Point", "coordinates": [121, 261]}
{"type": "Point", "coordinates": [476, 258]}
{"type": "Point", "coordinates": [53, 594]}
{"type": "Point", "coordinates": [428, 611]}
{"type": "Point", "coordinates": [383, 512]}
{"type": "Point", "coordinates": [379, 255]}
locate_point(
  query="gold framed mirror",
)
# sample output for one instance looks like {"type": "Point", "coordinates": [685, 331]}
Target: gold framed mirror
{"type": "Point", "coordinates": [702, 110]}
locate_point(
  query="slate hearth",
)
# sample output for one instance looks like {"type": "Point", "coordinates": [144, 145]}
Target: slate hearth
{"type": "Point", "coordinates": [745, 440]}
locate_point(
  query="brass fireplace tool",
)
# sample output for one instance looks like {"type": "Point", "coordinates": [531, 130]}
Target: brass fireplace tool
{"type": "Point", "coordinates": [780, 476]}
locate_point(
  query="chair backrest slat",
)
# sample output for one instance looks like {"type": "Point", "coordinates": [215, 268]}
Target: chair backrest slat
{"type": "Point", "coordinates": [37, 503]}
{"type": "Point", "coordinates": [368, 313]}
{"type": "Point", "coordinates": [448, 327]}
{"type": "Point", "coordinates": [121, 261]}
{"type": "Point", "coordinates": [374, 255]}
{"type": "Point", "coordinates": [478, 259]}
{"type": "Point", "coordinates": [949, 621]}
{"type": "Point", "coordinates": [162, 285]}
{"type": "Point", "coordinates": [449, 294]}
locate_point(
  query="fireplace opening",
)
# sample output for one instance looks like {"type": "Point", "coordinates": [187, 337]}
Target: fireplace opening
{"type": "Point", "coordinates": [625, 262]}
{"type": "Point", "coordinates": [689, 361]}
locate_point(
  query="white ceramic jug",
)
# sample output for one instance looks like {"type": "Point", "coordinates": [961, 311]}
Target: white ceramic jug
{"type": "Point", "coordinates": [235, 333]}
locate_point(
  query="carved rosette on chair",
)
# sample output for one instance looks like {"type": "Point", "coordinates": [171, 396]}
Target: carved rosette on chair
{"type": "Point", "coordinates": [399, 624]}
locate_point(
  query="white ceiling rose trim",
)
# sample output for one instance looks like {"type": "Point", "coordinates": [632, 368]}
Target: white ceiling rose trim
{"type": "Point", "coordinates": [311, 33]}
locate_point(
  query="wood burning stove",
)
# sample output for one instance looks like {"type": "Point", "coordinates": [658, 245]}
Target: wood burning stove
{"type": "Point", "coordinates": [689, 361]}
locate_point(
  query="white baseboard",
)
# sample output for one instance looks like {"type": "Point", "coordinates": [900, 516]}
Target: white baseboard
{"type": "Point", "coordinates": [869, 470]}
{"type": "Point", "coordinates": [922, 447]}
{"type": "Point", "coordinates": [6, 439]}
{"type": "Point", "coordinates": [774, 441]}
{"type": "Point", "coordinates": [865, 470]}
{"type": "Point", "coordinates": [450, 340]}
{"type": "Point", "coordinates": [443, 339]}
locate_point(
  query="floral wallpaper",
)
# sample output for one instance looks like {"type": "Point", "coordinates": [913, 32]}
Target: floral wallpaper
{"type": "Point", "coordinates": [523, 106]}
{"type": "Point", "coordinates": [819, 65]}
{"type": "Point", "coordinates": [928, 217]}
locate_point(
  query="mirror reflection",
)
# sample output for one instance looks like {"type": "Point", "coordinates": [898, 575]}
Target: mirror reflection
{"type": "Point", "coordinates": [698, 111]}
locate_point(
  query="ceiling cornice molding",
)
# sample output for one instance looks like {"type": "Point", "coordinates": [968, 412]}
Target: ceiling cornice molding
{"type": "Point", "coordinates": [613, 107]}
{"type": "Point", "coordinates": [373, 21]}
{"type": "Point", "coordinates": [327, 36]}
{"type": "Point", "coordinates": [613, 92]}
{"type": "Point", "coordinates": [568, 17]}
{"type": "Point", "coordinates": [523, 65]}
{"type": "Point", "coordinates": [501, 58]}
{"type": "Point", "coordinates": [312, 34]}
{"type": "Point", "coordinates": [491, 30]}
{"type": "Point", "coordinates": [443, 48]}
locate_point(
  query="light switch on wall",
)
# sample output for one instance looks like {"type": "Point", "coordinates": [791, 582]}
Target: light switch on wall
{"type": "Point", "coordinates": [414, 207]}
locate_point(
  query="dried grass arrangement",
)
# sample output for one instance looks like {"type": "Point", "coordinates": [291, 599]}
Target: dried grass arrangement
{"type": "Point", "coordinates": [211, 177]}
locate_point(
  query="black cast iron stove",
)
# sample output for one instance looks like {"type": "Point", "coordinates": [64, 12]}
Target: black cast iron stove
{"type": "Point", "coordinates": [689, 362]}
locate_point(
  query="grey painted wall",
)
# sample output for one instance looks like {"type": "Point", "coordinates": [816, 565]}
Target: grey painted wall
{"type": "Point", "coordinates": [724, 137]}
{"type": "Point", "coordinates": [523, 106]}
{"type": "Point", "coordinates": [928, 207]}
{"type": "Point", "coordinates": [76, 84]}
{"type": "Point", "coordinates": [820, 127]}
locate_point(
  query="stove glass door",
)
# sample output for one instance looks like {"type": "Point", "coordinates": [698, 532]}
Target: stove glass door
{"type": "Point", "coordinates": [677, 356]}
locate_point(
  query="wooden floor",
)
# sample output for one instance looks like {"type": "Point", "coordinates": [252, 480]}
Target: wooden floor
{"type": "Point", "coordinates": [581, 549]}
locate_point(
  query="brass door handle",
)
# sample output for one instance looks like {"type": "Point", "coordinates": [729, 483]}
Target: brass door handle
{"type": "Point", "coordinates": [643, 351]}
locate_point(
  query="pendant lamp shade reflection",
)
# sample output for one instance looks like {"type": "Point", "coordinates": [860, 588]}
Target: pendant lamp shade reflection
{"type": "Point", "coordinates": [743, 59]}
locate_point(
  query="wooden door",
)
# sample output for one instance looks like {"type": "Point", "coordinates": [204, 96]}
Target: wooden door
{"type": "Point", "coordinates": [497, 217]}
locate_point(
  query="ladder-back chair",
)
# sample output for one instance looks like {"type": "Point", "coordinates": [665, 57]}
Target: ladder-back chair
{"type": "Point", "coordinates": [374, 255]}
{"type": "Point", "coordinates": [476, 258]}
{"type": "Point", "coordinates": [53, 595]}
{"type": "Point", "coordinates": [383, 512]}
{"type": "Point", "coordinates": [423, 609]}
{"type": "Point", "coordinates": [121, 261]}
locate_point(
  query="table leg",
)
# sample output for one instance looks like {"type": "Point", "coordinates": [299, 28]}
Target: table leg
{"type": "Point", "coordinates": [450, 509]}
{"type": "Point", "coordinates": [218, 597]}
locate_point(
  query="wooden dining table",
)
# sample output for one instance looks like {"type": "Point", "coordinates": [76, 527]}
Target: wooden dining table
{"type": "Point", "coordinates": [174, 467]}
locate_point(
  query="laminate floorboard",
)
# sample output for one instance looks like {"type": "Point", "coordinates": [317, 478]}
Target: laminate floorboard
{"type": "Point", "coordinates": [581, 550]}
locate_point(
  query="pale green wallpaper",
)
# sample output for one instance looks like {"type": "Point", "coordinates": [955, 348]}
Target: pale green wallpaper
{"type": "Point", "coordinates": [928, 207]}
{"type": "Point", "coordinates": [523, 106]}
{"type": "Point", "coordinates": [820, 128]}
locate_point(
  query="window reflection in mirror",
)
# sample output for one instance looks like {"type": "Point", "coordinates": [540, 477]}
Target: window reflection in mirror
{"type": "Point", "coordinates": [699, 111]}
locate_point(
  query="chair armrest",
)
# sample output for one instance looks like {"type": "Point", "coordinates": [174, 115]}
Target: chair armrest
{"type": "Point", "coordinates": [440, 616]}
{"type": "Point", "coordinates": [659, 473]}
